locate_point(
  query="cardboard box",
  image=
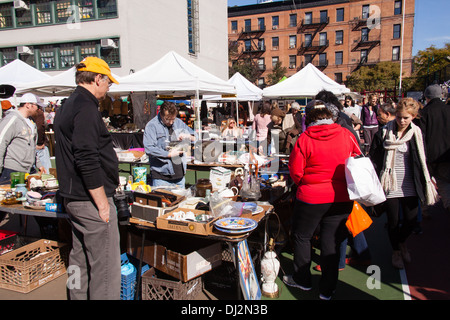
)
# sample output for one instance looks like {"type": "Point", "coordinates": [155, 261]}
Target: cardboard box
{"type": "Point", "coordinates": [149, 213]}
{"type": "Point", "coordinates": [183, 259]}
{"type": "Point", "coordinates": [193, 227]}
{"type": "Point", "coordinates": [148, 206]}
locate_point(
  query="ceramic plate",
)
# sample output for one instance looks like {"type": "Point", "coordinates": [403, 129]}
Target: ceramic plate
{"type": "Point", "coordinates": [235, 223]}
{"type": "Point", "coordinates": [236, 231]}
{"type": "Point", "coordinates": [258, 210]}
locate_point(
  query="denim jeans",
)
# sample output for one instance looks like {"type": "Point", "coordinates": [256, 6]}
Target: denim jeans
{"type": "Point", "coordinates": [44, 158]}
{"type": "Point", "coordinates": [307, 217]}
{"type": "Point", "coordinates": [161, 183]}
{"type": "Point", "coordinates": [95, 252]}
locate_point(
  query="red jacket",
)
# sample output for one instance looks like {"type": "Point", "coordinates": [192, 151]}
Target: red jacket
{"type": "Point", "coordinates": [317, 163]}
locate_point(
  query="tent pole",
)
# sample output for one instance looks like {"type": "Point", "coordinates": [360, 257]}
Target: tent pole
{"type": "Point", "coordinates": [237, 112]}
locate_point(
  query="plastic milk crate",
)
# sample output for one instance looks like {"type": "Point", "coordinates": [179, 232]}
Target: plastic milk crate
{"type": "Point", "coordinates": [129, 269]}
{"type": "Point", "coordinates": [158, 286]}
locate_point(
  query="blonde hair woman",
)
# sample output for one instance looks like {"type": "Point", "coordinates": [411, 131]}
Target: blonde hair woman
{"type": "Point", "coordinates": [398, 155]}
{"type": "Point", "coordinates": [231, 130]}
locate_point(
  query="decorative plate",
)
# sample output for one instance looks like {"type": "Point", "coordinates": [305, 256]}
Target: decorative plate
{"type": "Point", "coordinates": [230, 231]}
{"type": "Point", "coordinates": [235, 223]}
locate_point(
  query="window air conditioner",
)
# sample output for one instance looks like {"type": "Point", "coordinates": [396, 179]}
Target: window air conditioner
{"type": "Point", "coordinates": [108, 43]}
{"type": "Point", "coordinates": [292, 46]}
{"type": "Point", "coordinates": [24, 50]}
{"type": "Point", "coordinates": [274, 27]}
{"type": "Point", "coordinates": [338, 41]}
{"type": "Point", "coordinates": [19, 4]}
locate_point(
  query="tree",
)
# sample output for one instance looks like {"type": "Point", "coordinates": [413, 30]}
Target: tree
{"type": "Point", "coordinates": [376, 77]}
{"type": "Point", "coordinates": [277, 74]}
{"type": "Point", "coordinates": [431, 65]}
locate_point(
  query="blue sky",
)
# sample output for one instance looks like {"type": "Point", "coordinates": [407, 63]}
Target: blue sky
{"type": "Point", "coordinates": [431, 22]}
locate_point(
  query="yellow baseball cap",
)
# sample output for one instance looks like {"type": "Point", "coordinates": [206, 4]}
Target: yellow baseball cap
{"type": "Point", "coordinates": [97, 65]}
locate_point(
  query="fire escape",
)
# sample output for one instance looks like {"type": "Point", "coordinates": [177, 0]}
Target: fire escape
{"type": "Point", "coordinates": [365, 43]}
{"type": "Point", "coordinates": [310, 46]}
{"type": "Point", "coordinates": [254, 46]}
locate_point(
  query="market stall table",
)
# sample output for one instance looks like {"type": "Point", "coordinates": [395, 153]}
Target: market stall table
{"type": "Point", "coordinates": [20, 209]}
{"type": "Point", "coordinates": [214, 234]}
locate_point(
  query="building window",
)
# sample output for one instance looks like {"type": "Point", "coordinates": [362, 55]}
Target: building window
{"type": "Point", "coordinates": [6, 20]}
{"type": "Point", "coordinates": [24, 17]}
{"type": "Point", "coordinates": [397, 30]}
{"type": "Point", "coordinates": [111, 53]}
{"type": "Point", "coordinates": [66, 56]}
{"type": "Point", "coordinates": [192, 13]}
{"type": "Point", "coordinates": [308, 18]}
{"type": "Point", "coordinates": [261, 64]}
{"type": "Point", "coordinates": [308, 58]}
{"type": "Point", "coordinates": [261, 45]}
{"type": "Point", "coordinates": [106, 8]}
{"type": "Point", "coordinates": [395, 53]}
{"type": "Point", "coordinates": [292, 42]}
{"type": "Point", "coordinates": [275, 22]}
{"type": "Point", "coordinates": [398, 7]}
{"type": "Point", "coordinates": [43, 12]}
{"type": "Point", "coordinates": [339, 14]}
{"type": "Point", "coordinates": [47, 58]}
{"type": "Point", "coordinates": [363, 57]}
{"type": "Point", "coordinates": [339, 37]}
{"type": "Point", "coordinates": [63, 10]}
{"type": "Point", "coordinates": [275, 61]}
{"type": "Point", "coordinates": [292, 61]}
{"type": "Point", "coordinates": [324, 16]}
{"type": "Point", "coordinates": [338, 77]}
{"type": "Point", "coordinates": [275, 43]}
{"type": "Point", "coordinates": [323, 62]}
{"type": "Point", "coordinates": [86, 9]}
{"type": "Point", "coordinates": [292, 20]}
{"type": "Point", "coordinates": [261, 24]}
{"type": "Point", "coordinates": [8, 55]}
{"type": "Point", "coordinates": [261, 81]}
{"type": "Point", "coordinates": [88, 49]}
{"type": "Point", "coordinates": [323, 39]}
{"type": "Point", "coordinates": [247, 45]}
{"type": "Point", "coordinates": [234, 26]}
{"type": "Point", "coordinates": [339, 57]}
{"type": "Point", "coordinates": [308, 40]}
{"type": "Point", "coordinates": [365, 11]}
{"type": "Point", "coordinates": [248, 25]}
{"type": "Point", "coordinates": [364, 34]}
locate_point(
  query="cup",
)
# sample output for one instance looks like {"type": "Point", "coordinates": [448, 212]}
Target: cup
{"type": "Point", "coordinates": [15, 179]}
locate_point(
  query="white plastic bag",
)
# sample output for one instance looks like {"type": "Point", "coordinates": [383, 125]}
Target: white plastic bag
{"type": "Point", "coordinates": [363, 184]}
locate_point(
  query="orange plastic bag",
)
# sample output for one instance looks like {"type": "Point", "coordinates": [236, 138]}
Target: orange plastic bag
{"type": "Point", "coordinates": [358, 220]}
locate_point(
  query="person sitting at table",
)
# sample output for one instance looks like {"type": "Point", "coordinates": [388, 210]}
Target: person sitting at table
{"type": "Point", "coordinates": [231, 130]}
{"type": "Point", "coordinates": [168, 168]}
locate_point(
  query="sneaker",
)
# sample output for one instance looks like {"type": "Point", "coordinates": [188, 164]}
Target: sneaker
{"type": "Point", "coordinates": [319, 269]}
{"type": "Point", "coordinates": [323, 297]}
{"type": "Point", "coordinates": [397, 260]}
{"type": "Point", "coordinates": [405, 253]}
{"type": "Point", "coordinates": [357, 262]}
{"type": "Point", "coordinates": [288, 280]}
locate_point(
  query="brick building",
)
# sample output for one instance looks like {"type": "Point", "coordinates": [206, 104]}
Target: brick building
{"type": "Point", "coordinates": [337, 36]}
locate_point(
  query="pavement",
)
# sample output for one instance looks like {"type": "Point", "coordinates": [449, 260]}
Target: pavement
{"type": "Point", "coordinates": [425, 278]}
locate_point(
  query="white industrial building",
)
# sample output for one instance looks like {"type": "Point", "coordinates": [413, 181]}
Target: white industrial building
{"type": "Point", "coordinates": [54, 35]}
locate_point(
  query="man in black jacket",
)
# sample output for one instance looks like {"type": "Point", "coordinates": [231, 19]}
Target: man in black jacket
{"type": "Point", "coordinates": [434, 122]}
{"type": "Point", "coordinates": [87, 169]}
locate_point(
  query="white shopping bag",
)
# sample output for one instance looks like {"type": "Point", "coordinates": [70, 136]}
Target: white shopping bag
{"type": "Point", "coordinates": [363, 184]}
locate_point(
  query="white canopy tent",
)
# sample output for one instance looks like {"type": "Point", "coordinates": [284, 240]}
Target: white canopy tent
{"type": "Point", "coordinates": [17, 73]}
{"type": "Point", "coordinates": [59, 85]}
{"type": "Point", "coordinates": [245, 91]}
{"type": "Point", "coordinates": [173, 75]}
{"type": "Point", "coordinates": [305, 83]}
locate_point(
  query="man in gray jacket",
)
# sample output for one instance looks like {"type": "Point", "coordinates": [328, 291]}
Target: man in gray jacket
{"type": "Point", "coordinates": [18, 136]}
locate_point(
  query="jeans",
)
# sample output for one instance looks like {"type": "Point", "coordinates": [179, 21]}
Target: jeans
{"type": "Point", "coordinates": [307, 217]}
{"type": "Point", "coordinates": [44, 158]}
{"type": "Point", "coordinates": [5, 177]}
{"type": "Point", "coordinates": [408, 208]}
{"type": "Point", "coordinates": [95, 252]}
{"type": "Point", "coordinates": [161, 183]}
{"type": "Point", "coordinates": [359, 246]}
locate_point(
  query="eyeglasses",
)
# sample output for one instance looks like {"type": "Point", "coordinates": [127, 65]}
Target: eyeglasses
{"type": "Point", "coordinates": [109, 81]}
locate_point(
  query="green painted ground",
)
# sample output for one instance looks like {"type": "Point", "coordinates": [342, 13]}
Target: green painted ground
{"type": "Point", "coordinates": [354, 282]}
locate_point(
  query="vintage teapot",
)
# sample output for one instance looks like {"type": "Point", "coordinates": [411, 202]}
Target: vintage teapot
{"type": "Point", "coordinates": [238, 179]}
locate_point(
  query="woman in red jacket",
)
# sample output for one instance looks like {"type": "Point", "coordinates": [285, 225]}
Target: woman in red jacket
{"type": "Point", "coordinates": [317, 165]}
